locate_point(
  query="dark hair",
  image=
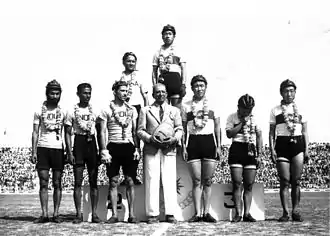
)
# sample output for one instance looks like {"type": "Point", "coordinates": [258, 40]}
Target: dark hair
{"type": "Point", "coordinates": [168, 28]}
{"type": "Point", "coordinates": [53, 85]}
{"type": "Point", "coordinates": [287, 83]}
{"type": "Point", "coordinates": [246, 101]}
{"type": "Point", "coordinates": [82, 86]}
{"type": "Point", "coordinates": [117, 84]}
{"type": "Point", "coordinates": [198, 78]}
{"type": "Point", "coordinates": [127, 54]}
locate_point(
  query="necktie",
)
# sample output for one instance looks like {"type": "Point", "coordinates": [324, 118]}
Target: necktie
{"type": "Point", "coordinates": [161, 113]}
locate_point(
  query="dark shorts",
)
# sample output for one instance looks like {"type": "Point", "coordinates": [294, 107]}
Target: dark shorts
{"type": "Point", "coordinates": [122, 155]}
{"type": "Point", "coordinates": [85, 152]}
{"type": "Point", "coordinates": [201, 147]}
{"type": "Point", "coordinates": [286, 149]}
{"type": "Point", "coordinates": [238, 156]}
{"type": "Point", "coordinates": [172, 82]}
{"type": "Point", "coordinates": [50, 158]}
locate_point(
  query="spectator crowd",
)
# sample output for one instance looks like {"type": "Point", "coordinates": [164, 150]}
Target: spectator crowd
{"type": "Point", "coordinates": [18, 174]}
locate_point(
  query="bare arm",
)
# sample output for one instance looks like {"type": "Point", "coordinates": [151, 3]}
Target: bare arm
{"type": "Point", "coordinates": [154, 74]}
{"type": "Point", "coordinates": [259, 143]}
{"type": "Point", "coordinates": [233, 131]}
{"type": "Point", "coordinates": [217, 133]}
{"type": "Point", "coordinates": [183, 72]}
{"type": "Point", "coordinates": [144, 94]}
{"type": "Point", "coordinates": [272, 136]}
{"type": "Point", "coordinates": [306, 141]}
{"type": "Point", "coordinates": [102, 142]}
{"type": "Point", "coordinates": [35, 136]}
{"type": "Point", "coordinates": [68, 140]}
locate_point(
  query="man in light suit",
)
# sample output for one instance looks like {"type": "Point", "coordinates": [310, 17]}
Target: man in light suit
{"type": "Point", "coordinates": [160, 127]}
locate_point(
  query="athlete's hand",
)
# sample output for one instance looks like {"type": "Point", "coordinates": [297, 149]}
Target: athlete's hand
{"type": "Point", "coordinates": [105, 156]}
{"type": "Point", "coordinates": [273, 156]}
{"type": "Point", "coordinates": [33, 158]}
{"type": "Point", "coordinates": [306, 156]}
{"type": "Point", "coordinates": [258, 159]}
{"type": "Point", "coordinates": [184, 153]}
{"type": "Point", "coordinates": [136, 155]}
{"type": "Point", "coordinates": [71, 158]}
{"type": "Point", "coordinates": [218, 153]}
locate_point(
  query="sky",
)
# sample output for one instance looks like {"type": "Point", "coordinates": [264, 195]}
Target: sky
{"type": "Point", "coordinates": [239, 46]}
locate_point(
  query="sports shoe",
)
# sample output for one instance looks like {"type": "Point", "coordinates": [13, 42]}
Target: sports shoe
{"type": "Point", "coordinates": [112, 220]}
{"type": "Point", "coordinates": [236, 219]}
{"type": "Point", "coordinates": [57, 219]}
{"type": "Point", "coordinates": [41, 220]}
{"type": "Point", "coordinates": [194, 219]}
{"type": "Point", "coordinates": [77, 220]}
{"type": "Point", "coordinates": [170, 219]}
{"type": "Point", "coordinates": [297, 217]}
{"type": "Point", "coordinates": [96, 219]}
{"type": "Point", "coordinates": [248, 218]}
{"type": "Point", "coordinates": [284, 218]}
{"type": "Point", "coordinates": [208, 218]}
{"type": "Point", "coordinates": [153, 220]}
{"type": "Point", "coordinates": [132, 220]}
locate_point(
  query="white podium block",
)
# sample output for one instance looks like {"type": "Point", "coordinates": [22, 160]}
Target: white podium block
{"type": "Point", "coordinates": [222, 206]}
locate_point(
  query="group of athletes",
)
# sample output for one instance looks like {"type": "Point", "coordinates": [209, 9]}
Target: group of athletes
{"type": "Point", "coordinates": [165, 128]}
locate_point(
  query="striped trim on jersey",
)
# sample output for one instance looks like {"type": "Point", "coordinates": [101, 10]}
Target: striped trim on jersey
{"type": "Point", "coordinates": [277, 119]}
{"type": "Point", "coordinates": [233, 121]}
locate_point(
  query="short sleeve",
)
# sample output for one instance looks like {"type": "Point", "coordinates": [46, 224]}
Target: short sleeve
{"type": "Point", "coordinates": [230, 122]}
{"type": "Point", "coordinates": [155, 59]}
{"type": "Point", "coordinates": [68, 119]}
{"type": "Point", "coordinates": [184, 113]}
{"type": "Point", "coordinates": [303, 113]}
{"type": "Point", "coordinates": [272, 118]}
{"type": "Point", "coordinates": [255, 121]}
{"type": "Point", "coordinates": [36, 118]}
{"type": "Point", "coordinates": [103, 115]}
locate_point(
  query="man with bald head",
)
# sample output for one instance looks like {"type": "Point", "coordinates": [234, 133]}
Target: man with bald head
{"type": "Point", "coordinates": [160, 128]}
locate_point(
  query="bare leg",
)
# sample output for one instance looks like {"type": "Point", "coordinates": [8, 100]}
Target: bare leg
{"type": "Point", "coordinates": [130, 195]}
{"type": "Point", "coordinates": [78, 178]}
{"type": "Point", "coordinates": [236, 176]}
{"type": "Point", "coordinates": [43, 192]}
{"type": "Point", "coordinates": [195, 169]}
{"type": "Point", "coordinates": [207, 173]}
{"type": "Point", "coordinates": [57, 195]}
{"type": "Point", "coordinates": [248, 181]}
{"type": "Point", "coordinates": [296, 171]}
{"type": "Point", "coordinates": [283, 169]}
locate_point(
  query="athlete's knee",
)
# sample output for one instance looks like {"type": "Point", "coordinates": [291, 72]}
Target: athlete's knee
{"type": "Point", "coordinates": [284, 182]}
{"type": "Point", "coordinates": [57, 184]}
{"type": "Point", "coordinates": [296, 182]}
{"type": "Point", "coordinates": [114, 182]}
{"type": "Point", "coordinates": [43, 183]}
{"type": "Point", "coordinates": [197, 182]}
{"type": "Point", "coordinates": [237, 185]}
{"type": "Point", "coordinates": [129, 181]}
{"type": "Point", "coordinates": [248, 186]}
{"type": "Point", "coordinates": [207, 182]}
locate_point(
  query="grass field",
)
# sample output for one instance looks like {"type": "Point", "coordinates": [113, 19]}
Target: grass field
{"type": "Point", "coordinates": [17, 212]}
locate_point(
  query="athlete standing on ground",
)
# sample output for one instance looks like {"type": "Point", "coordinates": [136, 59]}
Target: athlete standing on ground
{"type": "Point", "coordinates": [81, 123]}
{"type": "Point", "coordinates": [288, 142]}
{"type": "Point", "coordinates": [47, 149]}
{"type": "Point", "coordinates": [119, 119]}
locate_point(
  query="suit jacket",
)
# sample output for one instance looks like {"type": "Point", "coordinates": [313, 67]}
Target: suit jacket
{"type": "Point", "coordinates": [149, 120]}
